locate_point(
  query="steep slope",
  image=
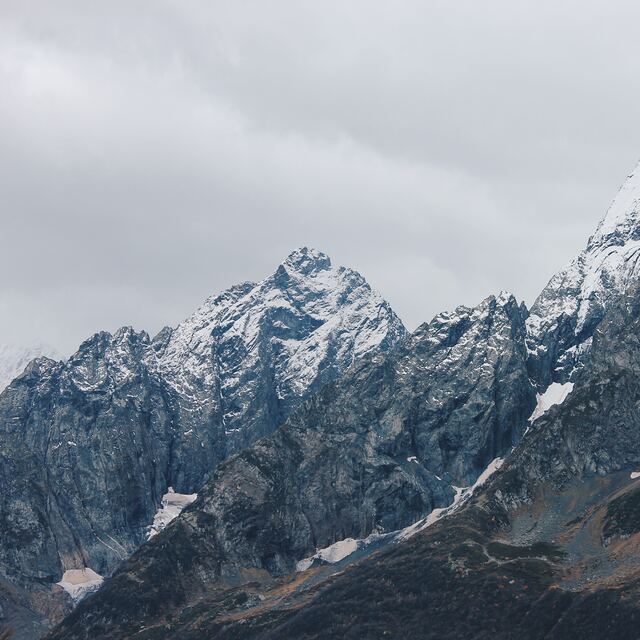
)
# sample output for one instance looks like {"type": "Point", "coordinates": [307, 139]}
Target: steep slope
{"type": "Point", "coordinates": [373, 453]}
{"type": "Point", "coordinates": [14, 359]}
{"type": "Point", "coordinates": [564, 316]}
{"type": "Point", "coordinates": [89, 447]}
{"type": "Point", "coordinates": [547, 550]}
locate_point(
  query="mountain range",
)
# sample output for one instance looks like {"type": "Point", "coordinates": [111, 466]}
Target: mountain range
{"type": "Point", "coordinates": [291, 462]}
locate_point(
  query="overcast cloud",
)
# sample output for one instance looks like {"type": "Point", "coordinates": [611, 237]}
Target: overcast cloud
{"type": "Point", "coordinates": [153, 153]}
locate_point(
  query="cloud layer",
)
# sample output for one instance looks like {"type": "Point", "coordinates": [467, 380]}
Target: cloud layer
{"type": "Point", "coordinates": [152, 153]}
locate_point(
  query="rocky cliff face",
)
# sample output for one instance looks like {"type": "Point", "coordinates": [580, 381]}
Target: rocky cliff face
{"type": "Point", "coordinates": [372, 453]}
{"type": "Point", "coordinates": [565, 315]}
{"type": "Point", "coordinates": [90, 446]}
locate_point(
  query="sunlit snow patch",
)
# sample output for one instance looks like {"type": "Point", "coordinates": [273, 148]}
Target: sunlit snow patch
{"type": "Point", "coordinates": [635, 474]}
{"type": "Point", "coordinates": [339, 550]}
{"type": "Point", "coordinates": [556, 393]}
{"type": "Point", "coordinates": [332, 554]}
{"type": "Point", "coordinates": [79, 583]}
{"type": "Point", "coordinates": [172, 504]}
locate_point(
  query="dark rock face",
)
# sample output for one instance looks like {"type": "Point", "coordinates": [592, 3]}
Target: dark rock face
{"type": "Point", "coordinates": [88, 447]}
{"type": "Point", "coordinates": [85, 453]}
{"type": "Point", "coordinates": [376, 451]}
{"type": "Point", "coordinates": [597, 429]}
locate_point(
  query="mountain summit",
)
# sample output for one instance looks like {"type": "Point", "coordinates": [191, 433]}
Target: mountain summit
{"type": "Point", "coordinates": [247, 357]}
{"type": "Point", "coordinates": [564, 316]}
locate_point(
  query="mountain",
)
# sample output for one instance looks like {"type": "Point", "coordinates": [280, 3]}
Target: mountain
{"type": "Point", "coordinates": [564, 316]}
{"type": "Point", "coordinates": [547, 549]}
{"type": "Point", "coordinates": [355, 518]}
{"type": "Point", "coordinates": [90, 447]}
{"type": "Point", "coordinates": [370, 454]}
{"type": "Point", "coordinates": [14, 359]}
{"type": "Point", "coordinates": [246, 358]}
{"type": "Point", "coordinates": [289, 462]}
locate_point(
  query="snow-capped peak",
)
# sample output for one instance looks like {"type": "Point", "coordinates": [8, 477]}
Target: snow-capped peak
{"type": "Point", "coordinates": [624, 212]}
{"type": "Point", "coordinates": [298, 328]}
{"type": "Point", "coordinates": [305, 260]}
{"type": "Point", "coordinates": [565, 314]}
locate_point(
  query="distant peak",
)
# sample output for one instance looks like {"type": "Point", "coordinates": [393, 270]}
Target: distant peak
{"type": "Point", "coordinates": [305, 260]}
{"type": "Point", "coordinates": [624, 209]}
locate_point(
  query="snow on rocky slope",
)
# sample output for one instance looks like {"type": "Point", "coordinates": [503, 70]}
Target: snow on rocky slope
{"type": "Point", "coordinates": [565, 314]}
{"type": "Point", "coordinates": [250, 354]}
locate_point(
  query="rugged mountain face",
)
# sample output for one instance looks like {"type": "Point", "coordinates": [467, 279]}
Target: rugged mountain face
{"type": "Point", "coordinates": [568, 310]}
{"type": "Point", "coordinates": [89, 447]}
{"type": "Point", "coordinates": [547, 549]}
{"type": "Point", "coordinates": [246, 358]}
{"type": "Point", "coordinates": [373, 453]}
{"type": "Point", "coordinates": [14, 359]}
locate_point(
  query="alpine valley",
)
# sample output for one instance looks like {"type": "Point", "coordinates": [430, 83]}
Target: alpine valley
{"type": "Point", "coordinates": [290, 462]}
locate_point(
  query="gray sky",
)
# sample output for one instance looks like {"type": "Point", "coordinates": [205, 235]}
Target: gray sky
{"type": "Point", "coordinates": [153, 153]}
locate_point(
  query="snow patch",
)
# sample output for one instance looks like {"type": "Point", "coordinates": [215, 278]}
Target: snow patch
{"type": "Point", "coordinates": [635, 474]}
{"type": "Point", "coordinates": [339, 550]}
{"type": "Point", "coordinates": [556, 393]}
{"type": "Point", "coordinates": [172, 505]}
{"type": "Point", "coordinates": [79, 583]}
{"type": "Point", "coordinates": [332, 554]}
